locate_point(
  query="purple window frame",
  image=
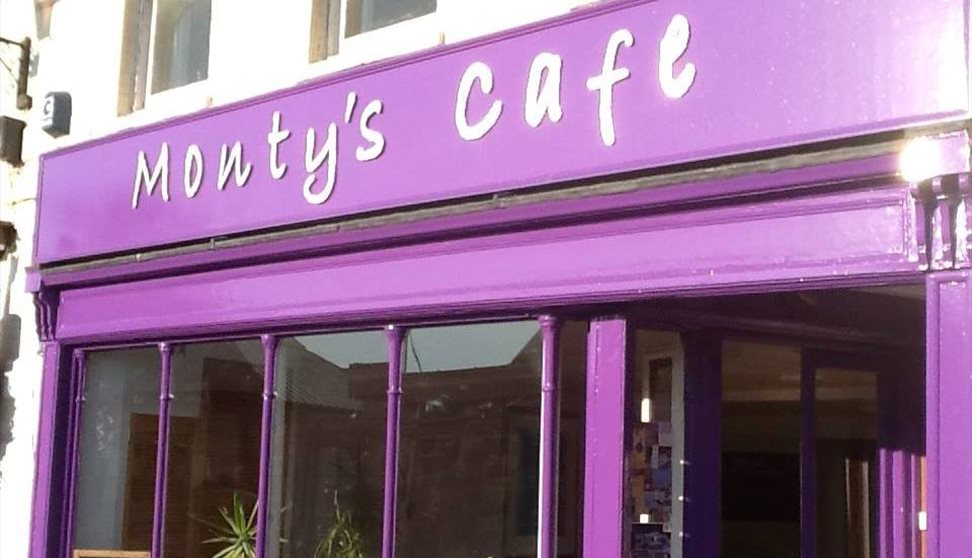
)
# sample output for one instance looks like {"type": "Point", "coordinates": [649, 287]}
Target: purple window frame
{"type": "Point", "coordinates": [548, 388]}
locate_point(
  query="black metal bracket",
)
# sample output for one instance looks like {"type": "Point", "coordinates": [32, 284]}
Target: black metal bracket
{"type": "Point", "coordinates": [24, 101]}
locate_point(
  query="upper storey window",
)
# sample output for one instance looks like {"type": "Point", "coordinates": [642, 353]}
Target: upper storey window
{"type": "Point", "coordinates": [368, 15]}
{"type": "Point", "coordinates": [332, 21]}
{"type": "Point", "coordinates": [165, 45]}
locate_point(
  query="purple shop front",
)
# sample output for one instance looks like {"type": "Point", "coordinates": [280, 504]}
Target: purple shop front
{"type": "Point", "coordinates": [651, 279]}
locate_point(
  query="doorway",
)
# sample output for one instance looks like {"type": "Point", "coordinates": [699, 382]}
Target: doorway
{"type": "Point", "coordinates": [778, 416]}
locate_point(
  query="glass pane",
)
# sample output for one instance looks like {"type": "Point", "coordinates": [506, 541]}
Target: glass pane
{"type": "Point", "coordinates": [846, 418]}
{"type": "Point", "coordinates": [760, 451]}
{"type": "Point", "coordinates": [367, 15]}
{"type": "Point", "coordinates": [656, 443]}
{"type": "Point", "coordinates": [181, 54]}
{"type": "Point", "coordinates": [214, 444]}
{"type": "Point", "coordinates": [573, 390]}
{"type": "Point", "coordinates": [328, 445]}
{"type": "Point", "coordinates": [115, 491]}
{"type": "Point", "coordinates": [470, 441]}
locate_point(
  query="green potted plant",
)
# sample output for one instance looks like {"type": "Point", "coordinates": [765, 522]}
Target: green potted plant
{"type": "Point", "coordinates": [237, 533]}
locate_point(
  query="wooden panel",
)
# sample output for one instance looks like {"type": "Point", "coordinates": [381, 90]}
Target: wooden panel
{"type": "Point", "coordinates": [89, 553]}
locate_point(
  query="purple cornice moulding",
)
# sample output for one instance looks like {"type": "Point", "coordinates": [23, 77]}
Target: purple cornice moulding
{"type": "Point", "coordinates": [642, 84]}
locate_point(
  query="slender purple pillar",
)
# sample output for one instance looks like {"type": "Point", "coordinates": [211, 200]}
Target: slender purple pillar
{"type": "Point", "coordinates": [395, 336]}
{"type": "Point", "coordinates": [78, 368]}
{"type": "Point", "coordinates": [266, 433]}
{"type": "Point", "coordinates": [604, 465]}
{"type": "Point", "coordinates": [890, 490]}
{"type": "Point", "coordinates": [549, 436]}
{"type": "Point", "coordinates": [808, 458]}
{"type": "Point", "coordinates": [162, 450]}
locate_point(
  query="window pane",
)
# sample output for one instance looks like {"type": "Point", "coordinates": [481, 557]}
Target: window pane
{"type": "Point", "coordinates": [469, 442]}
{"type": "Point", "coordinates": [328, 444]}
{"type": "Point", "coordinates": [846, 417]}
{"type": "Point", "coordinates": [573, 391]}
{"type": "Point", "coordinates": [367, 15]}
{"type": "Point", "coordinates": [119, 434]}
{"type": "Point", "coordinates": [214, 443]}
{"type": "Point", "coordinates": [181, 46]}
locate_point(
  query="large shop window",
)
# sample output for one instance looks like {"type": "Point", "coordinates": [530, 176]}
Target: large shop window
{"type": "Point", "coordinates": [118, 435]}
{"type": "Point", "coordinates": [490, 431]}
{"type": "Point", "coordinates": [328, 445]}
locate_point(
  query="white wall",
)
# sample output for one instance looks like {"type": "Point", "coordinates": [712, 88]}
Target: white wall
{"type": "Point", "coordinates": [255, 46]}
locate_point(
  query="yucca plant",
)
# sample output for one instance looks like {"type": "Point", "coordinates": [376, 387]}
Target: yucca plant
{"type": "Point", "coordinates": [343, 539]}
{"type": "Point", "coordinates": [237, 533]}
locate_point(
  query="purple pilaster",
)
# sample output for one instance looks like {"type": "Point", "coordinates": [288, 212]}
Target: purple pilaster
{"type": "Point", "coordinates": [162, 450]}
{"type": "Point", "coordinates": [395, 336]}
{"type": "Point", "coordinates": [808, 458]}
{"type": "Point", "coordinates": [78, 371]}
{"type": "Point", "coordinates": [604, 464]}
{"type": "Point", "coordinates": [549, 435]}
{"type": "Point", "coordinates": [266, 434]}
{"type": "Point", "coordinates": [888, 447]}
{"type": "Point", "coordinates": [49, 480]}
{"type": "Point", "coordinates": [949, 414]}
{"type": "Point", "coordinates": [702, 464]}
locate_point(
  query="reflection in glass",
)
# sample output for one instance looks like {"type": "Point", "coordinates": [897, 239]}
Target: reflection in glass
{"type": "Point", "coordinates": [846, 419]}
{"type": "Point", "coordinates": [367, 15]}
{"type": "Point", "coordinates": [214, 441]}
{"type": "Point", "coordinates": [181, 49]}
{"type": "Point", "coordinates": [469, 441]}
{"type": "Point", "coordinates": [328, 444]}
{"type": "Point", "coordinates": [573, 398]}
{"type": "Point", "coordinates": [115, 488]}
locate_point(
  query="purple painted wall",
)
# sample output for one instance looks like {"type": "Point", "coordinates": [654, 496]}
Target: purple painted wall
{"type": "Point", "coordinates": [766, 75]}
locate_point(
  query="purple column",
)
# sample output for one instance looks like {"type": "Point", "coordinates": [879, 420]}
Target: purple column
{"type": "Point", "coordinates": [395, 336]}
{"type": "Point", "coordinates": [162, 450]}
{"type": "Point", "coordinates": [605, 530]}
{"type": "Point", "coordinates": [549, 436]}
{"type": "Point", "coordinates": [52, 444]}
{"type": "Point", "coordinates": [949, 414]}
{"type": "Point", "coordinates": [808, 458]}
{"type": "Point", "coordinates": [266, 433]}
{"type": "Point", "coordinates": [702, 499]}
{"type": "Point", "coordinates": [78, 373]}
{"type": "Point", "coordinates": [894, 414]}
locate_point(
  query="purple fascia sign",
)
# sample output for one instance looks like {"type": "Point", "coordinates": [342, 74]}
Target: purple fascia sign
{"type": "Point", "coordinates": [624, 87]}
{"type": "Point", "coordinates": [542, 102]}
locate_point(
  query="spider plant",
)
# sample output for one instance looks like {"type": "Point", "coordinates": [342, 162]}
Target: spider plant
{"type": "Point", "coordinates": [237, 533]}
